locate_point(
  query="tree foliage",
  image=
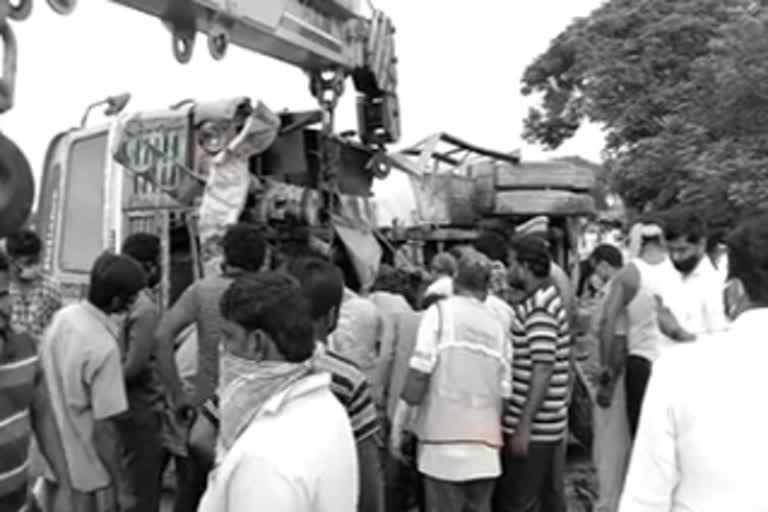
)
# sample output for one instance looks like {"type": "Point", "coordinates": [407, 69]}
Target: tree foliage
{"type": "Point", "coordinates": [681, 90]}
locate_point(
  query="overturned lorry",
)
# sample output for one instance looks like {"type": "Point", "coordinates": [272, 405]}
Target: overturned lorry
{"type": "Point", "coordinates": [449, 189]}
{"type": "Point", "coordinates": [186, 172]}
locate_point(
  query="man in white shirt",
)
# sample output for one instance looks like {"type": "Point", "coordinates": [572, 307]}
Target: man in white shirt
{"type": "Point", "coordinates": [700, 444]}
{"type": "Point", "coordinates": [285, 442]}
{"type": "Point", "coordinates": [696, 300]}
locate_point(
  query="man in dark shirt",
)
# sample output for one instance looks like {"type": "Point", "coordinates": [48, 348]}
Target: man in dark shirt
{"type": "Point", "coordinates": [141, 429]}
{"type": "Point", "coordinates": [245, 252]}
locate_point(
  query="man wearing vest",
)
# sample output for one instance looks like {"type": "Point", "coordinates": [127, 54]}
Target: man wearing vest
{"type": "Point", "coordinates": [459, 378]}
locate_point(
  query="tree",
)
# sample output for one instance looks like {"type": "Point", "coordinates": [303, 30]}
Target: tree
{"type": "Point", "coordinates": [681, 90]}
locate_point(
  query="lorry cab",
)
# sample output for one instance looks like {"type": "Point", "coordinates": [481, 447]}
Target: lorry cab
{"type": "Point", "coordinates": [146, 172]}
{"type": "Point", "coordinates": [88, 202]}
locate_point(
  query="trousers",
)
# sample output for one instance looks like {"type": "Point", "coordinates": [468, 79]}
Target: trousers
{"type": "Point", "coordinates": [471, 496]}
{"type": "Point", "coordinates": [144, 458]}
{"type": "Point", "coordinates": [637, 375]}
{"type": "Point", "coordinates": [530, 484]}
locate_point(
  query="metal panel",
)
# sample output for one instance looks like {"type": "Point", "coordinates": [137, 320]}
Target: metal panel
{"type": "Point", "coordinates": [561, 175]}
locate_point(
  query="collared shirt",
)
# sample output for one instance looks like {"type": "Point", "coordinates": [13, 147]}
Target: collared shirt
{"type": "Point", "coordinates": [81, 359]}
{"type": "Point", "coordinates": [277, 464]}
{"type": "Point", "coordinates": [701, 443]}
{"type": "Point", "coordinates": [19, 372]}
{"type": "Point", "coordinates": [358, 333]}
{"type": "Point", "coordinates": [351, 388]}
{"type": "Point", "coordinates": [698, 303]}
{"type": "Point", "coordinates": [33, 308]}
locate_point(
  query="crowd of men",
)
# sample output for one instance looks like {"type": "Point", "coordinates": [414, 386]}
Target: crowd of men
{"type": "Point", "coordinates": [281, 384]}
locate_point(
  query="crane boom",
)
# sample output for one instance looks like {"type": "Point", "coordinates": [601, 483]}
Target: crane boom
{"type": "Point", "coordinates": [329, 39]}
{"type": "Point", "coordinates": [288, 30]}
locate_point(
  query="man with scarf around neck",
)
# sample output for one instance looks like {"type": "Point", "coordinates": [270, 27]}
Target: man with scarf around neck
{"type": "Point", "coordinates": [285, 441]}
{"type": "Point", "coordinates": [323, 286]}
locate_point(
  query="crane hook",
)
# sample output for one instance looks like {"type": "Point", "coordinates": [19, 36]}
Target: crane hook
{"type": "Point", "coordinates": [63, 7]}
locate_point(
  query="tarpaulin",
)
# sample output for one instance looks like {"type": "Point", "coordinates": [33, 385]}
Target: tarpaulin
{"type": "Point", "coordinates": [227, 187]}
{"type": "Point", "coordinates": [363, 248]}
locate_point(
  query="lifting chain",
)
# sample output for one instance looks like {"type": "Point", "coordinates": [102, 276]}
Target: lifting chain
{"type": "Point", "coordinates": [327, 88]}
{"type": "Point", "coordinates": [18, 10]}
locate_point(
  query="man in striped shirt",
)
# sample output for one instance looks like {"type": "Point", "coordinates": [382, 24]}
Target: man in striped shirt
{"type": "Point", "coordinates": [24, 406]}
{"type": "Point", "coordinates": [323, 286]}
{"type": "Point", "coordinates": [536, 417]}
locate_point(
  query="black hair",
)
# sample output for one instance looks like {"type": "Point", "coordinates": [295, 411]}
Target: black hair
{"type": "Point", "coordinates": [4, 263]}
{"type": "Point", "coordinates": [748, 257]}
{"type": "Point", "coordinates": [272, 302]}
{"type": "Point", "coordinates": [321, 282]}
{"type": "Point", "coordinates": [685, 223]}
{"type": "Point", "coordinates": [244, 247]}
{"type": "Point", "coordinates": [143, 247]}
{"type": "Point", "coordinates": [532, 252]}
{"type": "Point", "coordinates": [23, 243]}
{"type": "Point", "coordinates": [115, 276]}
{"type": "Point", "coordinates": [493, 244]}
{"type": "Point", "coordinates": [609, 254]}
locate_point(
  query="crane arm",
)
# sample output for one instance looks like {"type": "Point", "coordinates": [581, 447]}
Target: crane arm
{"type": "Point", "coordinates": [314, 35]}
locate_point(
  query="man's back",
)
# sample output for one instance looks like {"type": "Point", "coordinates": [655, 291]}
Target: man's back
{"type": "Point", "coordinates": [298, 455]}
{"type": "Point", "coordinates": [81, 360]}
{"type": "Point", "coordinates": [700, 445]}
{"type": "Point", "coordinates": [201, 302]}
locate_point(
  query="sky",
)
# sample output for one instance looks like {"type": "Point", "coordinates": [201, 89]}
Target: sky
{"type": "Point", "coordinates": [460, 65]}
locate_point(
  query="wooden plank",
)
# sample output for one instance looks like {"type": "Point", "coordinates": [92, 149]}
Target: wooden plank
{"type": "Point", "coordinates": [558, 175]}
{"type": "Point", "coordinates": [543, 202]}
{"type": "Point", "coordinates": [425, 233]}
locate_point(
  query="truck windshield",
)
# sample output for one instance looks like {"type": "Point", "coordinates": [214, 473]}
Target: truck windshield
{"type": "Point", "coordinates": [82, 222]}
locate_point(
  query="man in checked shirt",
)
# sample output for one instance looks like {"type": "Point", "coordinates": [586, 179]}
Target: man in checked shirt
{"type": "Point", "coordinates": [36, 296]}
{"type": "Point", "coordinates": [323, 286]}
